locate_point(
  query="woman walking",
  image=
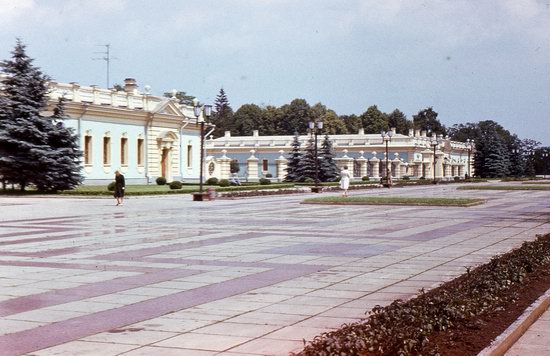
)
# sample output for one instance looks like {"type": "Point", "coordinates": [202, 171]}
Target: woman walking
{"type": "Point", "coordinates": [344, 180]}
{"type": "Point", "coordinates": [120, 185]}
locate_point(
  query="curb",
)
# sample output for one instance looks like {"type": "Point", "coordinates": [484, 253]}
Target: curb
{"type": "Point", "coordinates": [510, 336]}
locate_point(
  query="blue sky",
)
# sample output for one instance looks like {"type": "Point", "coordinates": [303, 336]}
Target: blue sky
{"type": "Point", "coordinates": [469, 60]}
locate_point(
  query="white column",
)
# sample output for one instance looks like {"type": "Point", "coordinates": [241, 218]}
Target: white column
{"type": "Point", "coordinates": [225, 166]}
{"type": "Point", "coordinates": [252, 164]}
{"type": "Point", "coordinates": [362, 161]}
{"type": "Point", "coordinates": [281, 164]}
{"type": "Point", "coordinates": [375, 163]}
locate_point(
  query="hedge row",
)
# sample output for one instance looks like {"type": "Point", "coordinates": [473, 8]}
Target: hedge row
{"type": "Point", "coordinates": [405, 327]}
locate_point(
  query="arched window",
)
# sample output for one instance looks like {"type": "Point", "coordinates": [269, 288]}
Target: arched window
{"type": "Point", "coordinates": [107, 149]}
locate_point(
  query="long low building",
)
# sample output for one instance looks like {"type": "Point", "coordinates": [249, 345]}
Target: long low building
{"type": "Point", "coordinates": [146, 136]}
{"type": "Point", "coordinates": [411, 155]}
{"type": "Point", "coordinates": [142, 135]}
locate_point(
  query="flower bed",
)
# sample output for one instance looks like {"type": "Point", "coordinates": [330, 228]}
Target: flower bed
{"type": "Point", "coordinates": [460, 317]}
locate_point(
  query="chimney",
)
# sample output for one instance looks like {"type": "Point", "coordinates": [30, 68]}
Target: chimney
{"type": "Point", "coordinates": [227, 134]}
{"type": "Point", "coordinates": [130, 85]}
{"type": "Point", "coordinates": [361, 131]}
{"type": "Point", "coordinates": [255, 133]}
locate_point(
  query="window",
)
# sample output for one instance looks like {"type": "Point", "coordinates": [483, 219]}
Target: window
{"type": "Point", "coordinates": [264, 165]}
{"type": "Point", "coordinates": [106, 151]}
{"type": "Point", "coordinates": [140, 152]}
{"type": "Point", "coordinates": [124, 151]}
{"type": "Point", "coordinates": [189, 156]}
{"type": "Point", "coordinates": [88, 150]}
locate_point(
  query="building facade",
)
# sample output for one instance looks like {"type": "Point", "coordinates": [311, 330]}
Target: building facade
{"type": "Point", "coordinates": [409, 155]}
{"type": "Point", "coordinates": [142, 135]}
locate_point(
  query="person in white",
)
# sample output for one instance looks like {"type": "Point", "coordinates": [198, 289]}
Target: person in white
{"type": "Point", "coordinates": [344, 180]}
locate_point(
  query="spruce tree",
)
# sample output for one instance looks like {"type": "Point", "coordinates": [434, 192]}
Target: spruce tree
{"type": "Point", "coordinates": [307, 163]}
{"type": "Point", "coordinates": [328, 170]}
{"type": "Point", "coordinates": [223, 114]}
{"type": "Point", "coordinates": [23, 131]}
{"type": "Point", "coordinates": [63, 170]}
{"type": "Point", "coordinates": [496, 160]}
{"type": "Point", "coordinates": [294, 158]}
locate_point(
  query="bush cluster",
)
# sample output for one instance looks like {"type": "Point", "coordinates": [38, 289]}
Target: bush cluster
{"type": "Point", "coordinates": [160, 181]}
{"type": "Point", "coordinates": [224, 183]}
{"type": "Point", "coordinates": [265, 181]}
{"type": "Point", "coordinates": [403, 328]}
{"type": "Point", "coordinates": [111, 187]}
{"type": "Point", "coordinates": [176, 185]}
{"type": "Point", "coordinates": [212, 181]}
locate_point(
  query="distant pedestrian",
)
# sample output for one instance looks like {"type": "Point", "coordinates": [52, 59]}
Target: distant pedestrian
{"type": "Point", "coordinates": [344, 180]}
{"type": "Point", "coordinates": [120, 186]}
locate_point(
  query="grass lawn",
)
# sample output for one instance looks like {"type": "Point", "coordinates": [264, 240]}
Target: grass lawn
{"type": "Point", "coordinates": [395, 201]}
{"type": "Point", "coordinates": [537, 182]}
{"type": "Point", "coordinates": [154, 189]}
{"type": "Point", "coordinates": [506, 187]}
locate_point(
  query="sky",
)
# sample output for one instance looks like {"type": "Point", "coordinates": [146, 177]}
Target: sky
{"type": "Point", "coordinates": [470, 60]}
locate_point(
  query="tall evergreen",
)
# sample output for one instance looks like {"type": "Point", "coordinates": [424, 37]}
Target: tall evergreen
{"type": "Point", "coordinates": [23, 131]}
{"type": "Point", "coordinates": [328, 170]}
{"type": "Point", "coordinates": [33, 149]}
{"type": "Point", "coordinates": [307, 163]}
{"type": "Point", "coordinates": [494, 155]}
{"type": "Point", "coordinates": [63, 169]}
{"type": "Point", "coordinates": [223, 114]}
{"type": "Point", "coordinates": [294, 158]}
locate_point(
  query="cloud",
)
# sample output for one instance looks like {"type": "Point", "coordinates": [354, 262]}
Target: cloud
{"type": "Point", "coordinates": [13, 10]}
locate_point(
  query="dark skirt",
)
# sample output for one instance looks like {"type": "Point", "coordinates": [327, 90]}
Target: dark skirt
{"type": "Point", "coordinates": [119, 192]}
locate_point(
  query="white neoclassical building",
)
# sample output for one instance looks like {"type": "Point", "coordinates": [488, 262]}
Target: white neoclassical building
{"type": "Point", "coordinates": [408, 155]}
{"type": "Point", "coordinates": [142, 135]}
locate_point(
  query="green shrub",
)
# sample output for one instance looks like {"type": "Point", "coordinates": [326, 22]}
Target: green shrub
{"type": "Point", "coordinates": [365, 179]}
{"type": "Point", "coordinates": [457, 178]}
{"type": "Point", "coordinates": [265, 181]}
{"type": "Point", "coordinates": [406, 178]}
{"type": "Point", "coordinates": [224, 183]}
{"type": "Point", "coordinates": [111, 187]}
{"type": "Point", "coordinates": [309, 180]}
{"type": "Point", "coordinates": [422, 178]}
{"type": "Point", "coordinates": [212, 181]}
{"type": "Point", "coordinates": [269, 175]}
{"type": "Point", "coordinates": [176, 185]}
{"type": "Point", "coordinates": [161, 181]}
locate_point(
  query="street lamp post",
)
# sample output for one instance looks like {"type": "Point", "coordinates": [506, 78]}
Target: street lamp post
{"type": "Point", "coordinates": [386, 138]}
{"type": "Point", "coordinates": [315, 130]}
{"type": "Point", "coordinates": [436, 141]}
{"type": "Point", "coordinates": [206, 110]}
{"type": "Point", "coordinates": [469, 146]}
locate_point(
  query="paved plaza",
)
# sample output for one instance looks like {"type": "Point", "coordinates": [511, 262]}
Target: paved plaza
{"type": "Point", "coordinates": [168, 276]}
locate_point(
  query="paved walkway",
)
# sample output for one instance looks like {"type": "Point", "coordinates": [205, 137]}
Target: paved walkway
{"type": "Point", "coordinates": [168, 276]}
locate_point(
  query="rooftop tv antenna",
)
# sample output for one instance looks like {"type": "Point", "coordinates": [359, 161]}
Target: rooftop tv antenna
{"type": "Point", "coordinates": [107, 58]}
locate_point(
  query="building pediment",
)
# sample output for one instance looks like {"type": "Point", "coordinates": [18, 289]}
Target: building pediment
{"type": "Point", "coordinates": [168, 107]}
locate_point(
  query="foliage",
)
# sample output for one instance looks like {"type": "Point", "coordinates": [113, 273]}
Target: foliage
{"type": "Point", "coordinates": [181, 96]}
{"type": "Point", "coordinates": [111, 187]}
{"type": "Point", "coordinates": [34, 149]}
{"type": "Point", "coordinates": [222, 115]}
{"type": "Point", "coordinates": [405, 327]}
{"type": "Point", "coordinates": [212, 181]}
{"type": "Point", "coordinates": [294, 158]}
{"type": "Point", "coordinates": [265, 181]}
{"type": "Point", "coordinates": [246, 119]}
{"type": "Point", "coordinates": [160, 181]}
{"type": "Point", "coordinates": [295, 117]}
{"type": "Point", "coordinates": [398, 120]}
{"type": "Point", "coordinates": [427, 120]}
{"type": "Point", "coordinates": [234, 166]}
{"type": "Point", "coordinates": [269, 175]}
{"type": "Point", "coordinates": [328, 170]}
{"type": "Point", "coordinates": [224, 183]}
{"type": "Point", "coordinates": [306, 168]}
{"type": "Point", "coordinates": [365, 178]}
{"type": "Point", "coordinates": [374, 120]}
{"type": "Point", "coordinates": [175, 185]}
{"type": "Point", "coordinates": [405, 178]}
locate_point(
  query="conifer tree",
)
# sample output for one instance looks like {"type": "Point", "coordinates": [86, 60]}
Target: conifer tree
{"type": "Point", "coordinates": [33, 149]}
{"type": "Point", "coordinates": [63, 170]}
{"type": "Point", "coordinates": [223, 114]}
{"type": "Point", "coordinates": [328, 170]}
{"type": "Point", "coordinates": [23, 131]}
{"type": "Point", "coordinates": [307, 163]}
{"type": "Point", "coordinates": [294, 158]}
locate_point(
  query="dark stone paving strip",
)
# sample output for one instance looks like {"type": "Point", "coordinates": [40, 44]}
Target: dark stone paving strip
{"type": "Point", "coordinates": [65, 331]}
{"type": "Point", "coordinates": [444, 231]}
{"type": "Point", "coordinates": [43, 219]}
{"type": "Point", "coordinates": [43, 300]}
{"type": "Point", "coordinates": [27, 233]}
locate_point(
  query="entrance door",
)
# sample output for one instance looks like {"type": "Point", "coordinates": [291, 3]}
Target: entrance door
{"type": "Point", "coordinates": [164, 163]}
